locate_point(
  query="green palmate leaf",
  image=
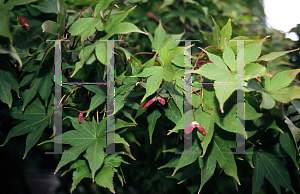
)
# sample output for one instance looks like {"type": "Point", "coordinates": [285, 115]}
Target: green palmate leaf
{"type": "Point", "coordinates": [128, 115]}
{"type": "Point", "coordinates": [10, 4]}
{"type": "Point", "coordinates": [4, 20]}
{"type": "Point", "coordinates": [48, 6]}
{"type": "Point", "coordinates": [46, 85]}
{"type": "Point", "coordinates": [281, 80]}
{"type": "Point", "coordinates": [121, 124]}
{"type": "Point", "coordinates": [179, 60]}
{"type": "Point", "coordinates": [285, 95]}
{"type": "Point", "coordinates": [98, 98]}
{"type": "Point", "coordinates": [228, 121]}
{"type": "Point", "coordinates": [177, 51]}
{"type": "Point", "coordinates": [208, 166]}
{"type": "Point", "coordinates": [216, 34]}
{"type": "Point", "coordinates": [188, 157]}
{"type": "Point", "coordinates": [105, 178]}
{"type": "Point", "coordinates": [61, 16]}
{"type": "Point", "coordinates": [169, 73]}
{"type": "Point", "coordinates": [8, 74]}
{"type": "Point", "coordinates": [249, 157]}
{"type": "Point", "coordinates": [274, 55]}
{"type": "Point", "coordinates": [152, 118]}
{"type": "Point", "coordinates": [207, 122]}
{"type": "Point", "coordinates": [224, 87]}
{"type": "Point", "coordinates": [171, 164]}
{"type": "Point", "coordinates": [167, 3]}
{"type": "Point", "coordinates": [25, 127]}
{"type": "Point", "coordinates": [119, 102]}
{"type": "Point", "coordinates": [113, 160]}
{"type": "Point", "coordinates": [102, 5]}
{"type": "Point", "coordinates": [210, 38]}
{"type": "Point", "coordinates": [87, 33]}
{"type": "Point", "coordinates": [10, 50]}
{"type": "Point", "coordinates": [85, 137]}
{"type": "Point", "coordinates": [253, 70]}
{"type": "Point", "coordinates": [186, 175]}
{"type": "Point", "coordinates": [225, 121]}
{"type": "Point", "coordinates": [82, 24]}
{"type": "Point", "coordinates": [212, 71]}
{"type": "Point", "coordinates": [34, 110]}
{"type": "Point", "coordinates": [267, 101]}
{"type": "Point", "coordinates": [117, 19]}
{"type": "Point", "coordinates": [173, 112]}
{"type": "Point", "coordinates": [30, 93]}
{"type": "Point", "coordinates": [45, 53]}
{"type": "Point", "coordinates": [164, 54]}
{"type": "Point", "coordinates": [226, 161]}
{"type": "Point", "coordinates": [51, 27]}
{"type": "Point", "coordinates": [95, 155]}
{"type": "Point", "coordinates": [100, 26]}
{"type": "Point", "coordinates": [226, 33]}
{"type": "Point", "coordinates": [82, 171]}
{"type": "Point", "coordinates": [174, 40]}
{"type": "Point", "coordinates": [124, 28]}
{"type": "Point", "coordinates": [287, 143]}
{"type": "Point", "coordinates": [273, 125]}
{"type": "Point", "coordinates": [250, 112]}
{"type": "Point", "coordinates": [180, 123]}
{"type": "Point", "coordinates": [35, 134]}
{"type": "Point", "coordinates": [5, 95]}
{"type": "Point", "coordinates": [229, 58]}
{"type": "Point", "coordinates": [296, 104]}
{"type": "Point", "coordinates": [176, 94]}
{"type": "Point", "coordinates": [75, 165]}
{"type": "Point", "coordinates": [149, 71]}
{"type": "Point", "coordinates": [295, 131]}
{"type": "Point", "coordinates": [153, 84]}
{"type": "Point", "coordinates": [120, 140]}
{"type": "Point", "coordinates": [84, 55]}
{"type": "Point", "coordinates": [270, 167]}
{"type": "Point", "coordinates": [159, 40]}
{"type": "Point", "coordinates": [252, 51]}
{"type": "Point", "coordinates": [150, 62]}
{"type": "Point", "coordinates": [157, 74]}
{"type": "Point", "coordinates": [71, 155]}
{"type": "Point", "coordinates": [101, 52]}
{"type": "Point", "coordinates": [216, 60]}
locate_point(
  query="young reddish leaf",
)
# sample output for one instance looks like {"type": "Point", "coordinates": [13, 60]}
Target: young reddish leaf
{"type": "Point", "coordinates": [65, 101]}
{"type": "Point", "coordinates": [189, 128]}
{"type": "Point", "coordinates": [148, 103]}
{"type": "Point", "coordinates": [161, 100]}
{"type": "Point", "coordinates": [24, 22]}
{"type": "Point", "coordinates": [151, 15]}
{"type": "Point", "coordinates": [201, 129]}
{"type": "Point", "coordinates": [80, 117]}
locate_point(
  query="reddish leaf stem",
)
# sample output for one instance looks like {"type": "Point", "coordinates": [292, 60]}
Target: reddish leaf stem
{"type": "Point", "coordinates": [85, 9]}
{"type": "Point", "coordinates": [146, 53]}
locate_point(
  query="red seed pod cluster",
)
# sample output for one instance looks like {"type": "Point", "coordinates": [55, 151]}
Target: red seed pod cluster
{"type": "Point", "coordinates": [160, 100]}
{"type": "Point", "coordinates": [24, 22]}
{"type": "Point", "coordinates": [192, 125]}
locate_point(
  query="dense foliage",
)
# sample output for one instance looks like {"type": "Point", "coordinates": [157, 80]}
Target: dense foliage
{"type": "Point", "coordinates": [149, 96]}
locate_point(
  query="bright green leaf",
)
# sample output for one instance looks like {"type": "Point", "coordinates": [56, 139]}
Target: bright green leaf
{"type": "Point", "coordinates": [281, 80]}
